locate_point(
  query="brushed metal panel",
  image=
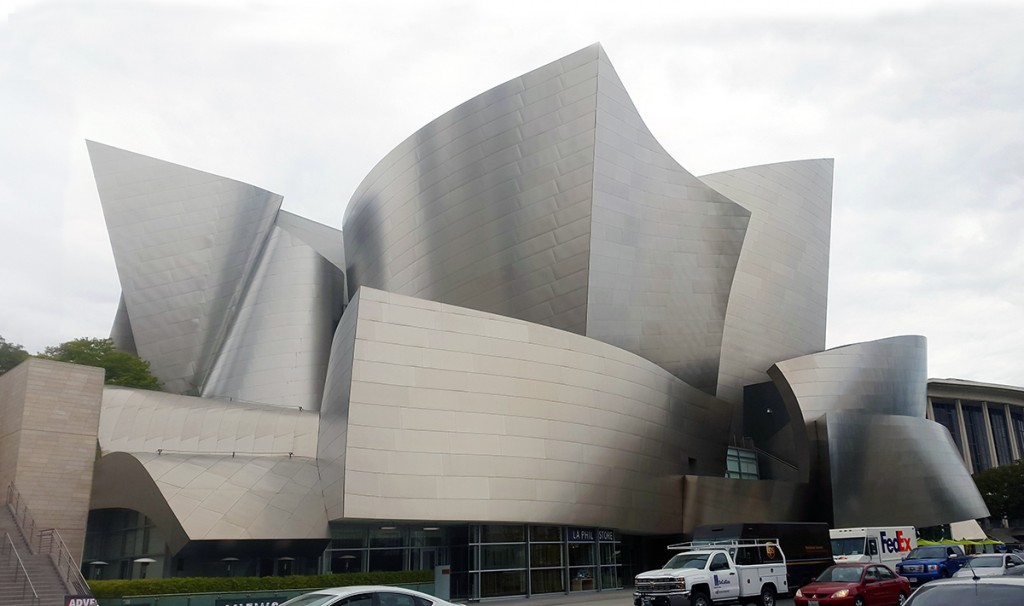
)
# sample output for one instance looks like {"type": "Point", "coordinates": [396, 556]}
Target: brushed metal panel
{"type": "Point", "coordinates": [488, 205]}
{"type": "Point", "coordinates": [895, 469]}
{"type": "Point", "coordinates": [276, 351]}
{"type": "Point", "coordinates": [509, 420]}
{"type": "Point", "coordinates": [887, 376]}
{"type": "Point", "coordinates": [184, 243]}
{"type": "Point", "coordinates": [777, 307]}
{"type": "Point", "coordinates": [333, 434]}
{"type": "Point", "coordinates": [711, 500]}
{"type": "Point", "coordinates": [121, 331]}
{"type": "Point", "coordinates": [663, 246]}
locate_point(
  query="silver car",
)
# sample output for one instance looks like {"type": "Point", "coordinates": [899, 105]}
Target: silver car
{"type": "Point", "coordinates": [366, 595]}
{"type": "Point", "coordinates": [992, 565]}
{"type": "Point", "coordinates": [988, 591]}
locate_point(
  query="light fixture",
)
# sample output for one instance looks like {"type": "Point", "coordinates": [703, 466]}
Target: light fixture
{"type": "Point", "coordinates": [431, 528]}
{"type": "Point", "coordinates": [389, 527]}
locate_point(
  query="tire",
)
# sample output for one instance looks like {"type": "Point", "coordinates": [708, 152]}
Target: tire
{"type": "Point", "coordinates": [859, 601]}
{"type": "Point", "coordinates": [901, 598]}
{"type": "Point", "coordinates": [943, 574]}
{"type": "Point", "coordinates": [767, 596]}
{"type": "Point", "coordinates": [699, 598]}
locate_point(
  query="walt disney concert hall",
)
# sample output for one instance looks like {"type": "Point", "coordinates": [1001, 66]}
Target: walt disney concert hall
{"type": "Point", "coordinates": [537, 350]}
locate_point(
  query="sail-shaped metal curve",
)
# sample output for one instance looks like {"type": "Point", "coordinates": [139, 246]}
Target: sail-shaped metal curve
{"type": "Point", "coordinates": [547, 199]}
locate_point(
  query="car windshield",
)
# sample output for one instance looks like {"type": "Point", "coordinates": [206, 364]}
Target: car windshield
{"type": "Point", "coordinates": [848, 546]}
{"type": "Point", "coordinates": [957, 595]}
{"type": "Point", "coordinates": [924, 553]}
{"type": "Point", "coordinates": [840, 574]}
{"type": "Point", "coordinates": [688, 560]}
{"type": "Point", "coordinates": [310, 599]}
{"type": "Point", "coordinates": [986, 562]}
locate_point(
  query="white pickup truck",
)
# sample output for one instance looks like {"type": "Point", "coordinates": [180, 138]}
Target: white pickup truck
{"type": "Point", "coordinates": [734, 572]}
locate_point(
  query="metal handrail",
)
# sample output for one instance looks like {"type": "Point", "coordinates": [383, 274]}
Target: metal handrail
{"type": "Point", "coordinates": [27, 583]}
{"type": "Point", "coordinates": [22, 516]}
{"type": "Point", "coordinates": [67, 568]}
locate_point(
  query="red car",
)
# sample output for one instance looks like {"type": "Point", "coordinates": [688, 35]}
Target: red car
{"type": "Point", "coordinates": [855, 584]}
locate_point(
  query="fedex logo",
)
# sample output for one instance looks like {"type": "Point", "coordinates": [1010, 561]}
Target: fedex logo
{"type": "Point", "coordinates": [896, 544]}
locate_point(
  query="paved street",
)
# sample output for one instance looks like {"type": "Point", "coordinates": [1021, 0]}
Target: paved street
{"type": "Point", "coordinates": [603, 598]}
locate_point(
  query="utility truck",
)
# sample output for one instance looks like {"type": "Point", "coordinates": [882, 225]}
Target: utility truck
{"type": "Point", "coordinates": [726, 572]}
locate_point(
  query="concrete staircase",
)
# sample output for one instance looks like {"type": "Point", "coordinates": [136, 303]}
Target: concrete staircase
{"type": "Point", "coordinates": [41, 571]}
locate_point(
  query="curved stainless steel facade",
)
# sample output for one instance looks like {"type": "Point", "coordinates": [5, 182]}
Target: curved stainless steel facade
{"type": "Point", "coordinates": [551, 322]}
{"type": "Point", "coordinates": [884, 377]}
{"type": "Point", "coordinates": [780, 293]}
{"type": "Point", "coordinates": [547, 199]}
{"type": "Point", "coordinates": [455, 414]}
{"type": "Point", "coordinates": [864, 406]}
{"type": "Point", "coordinates": [895, 469]}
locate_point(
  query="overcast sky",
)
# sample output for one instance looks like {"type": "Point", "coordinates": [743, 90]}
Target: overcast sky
{"type": "Point", "coordinates": [920, 103]}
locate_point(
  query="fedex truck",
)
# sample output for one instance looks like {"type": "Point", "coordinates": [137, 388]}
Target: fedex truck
{"type": "Point", "coordinates": [887, 545]}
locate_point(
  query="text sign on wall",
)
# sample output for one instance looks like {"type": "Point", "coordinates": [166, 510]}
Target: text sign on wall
{"type": "Point", "coordinates": [588, 534]}
{"type": "Point", "coordinates": [260, 601]}
{"type": "Point", "coordinates": [80, 600]}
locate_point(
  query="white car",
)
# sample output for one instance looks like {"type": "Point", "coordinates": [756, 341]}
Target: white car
{"type": "Point", "coordinates": [992, 565]}
{"type": "Point", "coordinates": [366, 595]}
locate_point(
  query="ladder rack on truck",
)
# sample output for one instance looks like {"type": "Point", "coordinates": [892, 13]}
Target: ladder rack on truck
{"type": "Point", "coordinates": [695, 545]}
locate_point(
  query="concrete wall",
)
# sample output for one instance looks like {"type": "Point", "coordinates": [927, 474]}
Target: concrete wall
{"type": "Point", "coordinates": [49, 417]}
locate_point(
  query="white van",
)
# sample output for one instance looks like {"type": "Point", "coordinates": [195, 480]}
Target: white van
{"type": "Point", "coordinates": [887, 545]}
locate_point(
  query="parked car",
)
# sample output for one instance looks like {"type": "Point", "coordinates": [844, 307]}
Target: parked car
{"type": "Point", "coordinates": [366, 595]}
{"type": "Point", "coordinates": [989, 591]}
{"type": "Point", "coordinates": [992, 565]}
{"type": "Point", "coordinates": [931, 562]}
{"type": "Point", "coordinates": [855, 584]}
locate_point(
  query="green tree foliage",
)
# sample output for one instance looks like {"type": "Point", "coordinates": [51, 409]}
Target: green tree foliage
{"type": "Point", "coordinates": [1001, 489]}
{"type": "Point", "coordinates": [121, 368]}
{"type": "Point", "coordinates": [11, 354]}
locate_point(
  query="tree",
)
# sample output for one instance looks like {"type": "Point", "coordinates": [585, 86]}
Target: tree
{"type": "Point", "coordinates": [122, 368]}
{"type": "Point", "coordinates": [11, 354]}
{"type": "Point", "coordinates": [1001, 489]}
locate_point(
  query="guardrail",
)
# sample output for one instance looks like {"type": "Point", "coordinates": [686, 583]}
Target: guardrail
{"type": "Point", "coordinates": [51, 543]}
{"type": "Point", "coordinates": [26, 584]}
{"type": "Point", "coordinates": [22, 517]}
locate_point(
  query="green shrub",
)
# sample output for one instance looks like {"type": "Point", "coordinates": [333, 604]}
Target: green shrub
{"type": "Point", "coordinates": [192, 585]}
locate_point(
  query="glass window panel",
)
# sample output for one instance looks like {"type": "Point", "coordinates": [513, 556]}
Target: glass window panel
{"type": "Point", "coordinates": [502, 533]}
{"type": "Point", "coordinates": [427, 538]}
{"type": "Point", "coordinates": [977, 438]}
{"type": "Point", "coordinates": [386, 538]}
{"type": "Point", "coordinates": [347, 561]}
{"type": "Point", "coordinates": [610, 553]}
{"type": "Point", "coordinates": [945, 415]}
{"type": "Point", "coordinates": [545, 533]}
{"type": "Point", "coordinates": [997, 417]}
{"type": "Point", "coordinates": [1017, 423]}
{"type": "Point", "coordinates": [545, 555]}
{"type": "Point", "coordinates": [581, 554]}
{"type": "Point", "coordinates": [581, 579]}
{"type": "Point", "coordinates": [611, 578]}
{"type": "Point", "coordinates": [386, 559]}
{"type": "Point", "coordinates": [547, 581]}
{"type": "Point", "coordinates": [347, 538]}
{"type": "Point", "coordinates": [495, 557]}
{"type": "Point", "coordinates": [496, 584]}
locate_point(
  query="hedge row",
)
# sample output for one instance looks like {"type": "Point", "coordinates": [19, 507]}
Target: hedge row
{"type": "Point", "coordinates": [193, 585]}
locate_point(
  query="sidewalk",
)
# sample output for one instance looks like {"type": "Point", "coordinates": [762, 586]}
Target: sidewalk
{"type": "Point", "coordinates": [614, 597]}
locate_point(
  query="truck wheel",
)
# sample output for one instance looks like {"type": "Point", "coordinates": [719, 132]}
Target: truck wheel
{"type": "Point", "coordinates": [767, 596]}
{"type": "Point", "coordinates": [943, 574]}
{"type": "Point", "coordinates": [699, 598]}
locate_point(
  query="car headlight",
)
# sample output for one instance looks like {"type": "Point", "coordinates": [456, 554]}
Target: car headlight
{"type": "Point", "coordinates": [932, 567]}
{"type": "Point", "coordinates": [799, 593]}
{"type": "Point", "coordinates": [842, 593]}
